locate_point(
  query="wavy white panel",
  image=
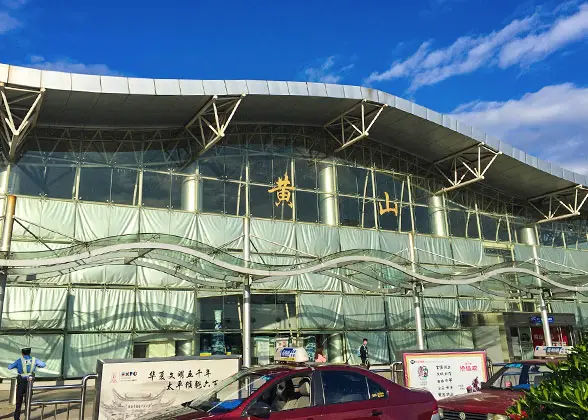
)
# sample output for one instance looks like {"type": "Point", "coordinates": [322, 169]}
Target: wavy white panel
{"type": "Point", "coordinates": [101, 310]}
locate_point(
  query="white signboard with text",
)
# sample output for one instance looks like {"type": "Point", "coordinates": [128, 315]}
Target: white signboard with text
{"type": "Point", "coordinates": [129, 388]}
{"type": "Point", "coordinates": [445, 373]}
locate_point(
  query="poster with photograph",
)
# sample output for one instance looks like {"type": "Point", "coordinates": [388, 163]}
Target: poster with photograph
{"type": "Point", "coordinates": [445, 374]}
{"type": "Point", "coordinates": [130, 388]}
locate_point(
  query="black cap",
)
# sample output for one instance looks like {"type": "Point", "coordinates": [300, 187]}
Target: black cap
{"type": "Point", "coordinates": [26, 351]}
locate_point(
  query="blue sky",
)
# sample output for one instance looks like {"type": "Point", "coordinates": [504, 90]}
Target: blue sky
{"type": "Point", "coordinates": [514, 69]}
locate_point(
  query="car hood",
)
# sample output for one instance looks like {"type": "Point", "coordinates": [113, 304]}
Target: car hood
{"type": "Point", "coordinates": [483, 402]}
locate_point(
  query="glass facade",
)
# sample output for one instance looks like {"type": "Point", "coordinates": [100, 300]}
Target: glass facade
{"type": "Point", "coordinates": [304, 203]}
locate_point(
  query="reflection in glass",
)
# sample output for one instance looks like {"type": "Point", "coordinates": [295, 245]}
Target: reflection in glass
{"type": "Point", "coordinates": [422, 222]}
{"type": "Point", "coordinates": [405, 219]}
{"type": "Point", "coordinates": [261, 202]}
{"type": "Point", "coordinates": [388, 221]}
{"type": "Point", "coordinates": [176, 190]}
{"type": "Point", "coordinates": [95, 183]}
{"type": "Point", "coordinates": [223, 197]}
{"type": "Point", "coordinates": [354, 181]}
{"type": "Point", "coordinates": [503, 235]}
{"type": "Point", "coordinates": [307, 207]}
{"type": "Point", "coordinates": [488, 225]}
{"type": "Point", "coordinates": [457, 223]}
{"type": "Point", "coordinates": [305, 174]}
{"type": "Point", "coordinates": [156, 189]}
{"type": "Point", "coordinates": [349, 211]}
{"type": "Point", "coordinates": [260, 169]}
{"type": "Point", "coordinates": [124, 186]}
{"type": "Point", "coordinates": [51, 181]}
{"type": "Point", "coordinates": [213, 200]}
{"type": "Point", "coordinates": [395, 187]}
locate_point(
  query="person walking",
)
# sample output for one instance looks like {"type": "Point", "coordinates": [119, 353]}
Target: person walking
{"type": "Point", "coordinates": [26, 367]}
{"type": "Point", "coordinates": [364, 354]}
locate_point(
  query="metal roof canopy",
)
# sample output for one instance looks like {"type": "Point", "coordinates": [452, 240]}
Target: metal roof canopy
{"type": "Point", "coordinates": [79, 100]}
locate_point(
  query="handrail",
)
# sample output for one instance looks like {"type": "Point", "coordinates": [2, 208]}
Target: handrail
{"type": "Point", "coordinates": [83, 387]}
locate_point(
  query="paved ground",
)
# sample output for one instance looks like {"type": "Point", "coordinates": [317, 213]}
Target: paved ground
{"type": "Point", "coordinates": [50, 412]}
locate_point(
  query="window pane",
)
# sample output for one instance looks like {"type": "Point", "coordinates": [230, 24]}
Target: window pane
{"type": "Point", "coordinates": [420, 195]}
{"type": "Point", "coordinates": [422, 223]}
{"type": "Point", "coordinates": [389, 220]}
{"type": "Point", "coordinates": [558, 238]}
{"type": "Point", "coordinates": [213, 200]}
{"type": "Point", "coordinates": [354, 181]}
{"type": "Point", "coordinates": [260, 169]}
{"type": "Point", "coordinates": [261, 202]}
{"type": "Point", "coordinates": [546, 234]}
{"type": "Point", "coordinates": [457, 223]}
{"type": "Point", "coordinates": [341, 387]}
{"type": "Point", "coordinates": [473, 231]}
{"type": "Point", "coordinates": [235, 198]}
{"type": "Point", "coordinates": [307, 207]}
{"type": "Point", "coordinates": [95, 184]}
{"type": "Point", "coordinates": [212, 166]}
{"type": "Point", "coordinates": [503, 231]}
{"type": "Point", "coordinates": [376, 392]}
{"type": "Point", "coordinates": [405, 220]}
{"type": "Point", "coordinates": [305, 174]}
{"type": "Point", "coordinates": [488, 225]}
{"type": "Point", "coordinates": [51, 181]}
{"type": "Point", "coordinates": [156, 189]}
{"type": "Point", "coordinates": [124, 183]}
{"type": "Point", "coordinates": [395, 187]}
{"type": "Point", "coordinates": [176, 190]}
{"type": "Point", "coordinates": [369, 218]}
{"type": "Point", "coordinates": [235, 164]}
{"type": "Point", "coordinates": [349, 211]}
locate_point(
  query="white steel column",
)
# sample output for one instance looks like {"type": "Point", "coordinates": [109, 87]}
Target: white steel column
{"type": "Point", "coordinates": [327, 198]}
{"type": "Point", "coordinates": [5, 246]}
{"type": "Point", "coordinates": [247, 295]}
{"type": "Point", "coordinates": [437, 216]}
{"type": "Point", "coordinates": [542, 304]}
{"type": "Point", "coordinates": [416, 293]}
{"type": "Point", "coordinates": [192, 190]}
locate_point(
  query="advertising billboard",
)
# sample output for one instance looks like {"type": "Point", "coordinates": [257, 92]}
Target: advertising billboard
{"type": "Point", "coordinates": [130, 388]}
{"type": "Point", "coordinates": [445, 373]}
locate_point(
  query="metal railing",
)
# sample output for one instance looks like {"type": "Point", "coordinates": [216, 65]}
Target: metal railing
{"type": "Point", "coordinates": [83, 387]}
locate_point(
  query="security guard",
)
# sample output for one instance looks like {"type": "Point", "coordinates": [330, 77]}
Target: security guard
{"type": "Point", "coordinates": [26, 367]}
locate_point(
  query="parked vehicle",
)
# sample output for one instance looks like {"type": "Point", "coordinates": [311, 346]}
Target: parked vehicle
{"type": "Point", "coordinates": [306, 391]}
{"type": "Point", "coordinates": [498, 394]}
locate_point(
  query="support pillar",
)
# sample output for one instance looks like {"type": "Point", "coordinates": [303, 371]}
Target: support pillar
{"type": "Point", "coordinates": [416, 293]}
{"type": "Point", "coordinates": [246, 318]}
{"type": "Point", "coordinates": [437, 216]}
{"type": "Point", "coordinates": [418, 317]}
{"type": "Point", "coordinates": [542, 304]}
{"type": "Point", "coordinates": [327, 194]}
{"type": "Point", "coordinates": [5, 247]}
{"type": "Point", "coordinates": [192, 190]}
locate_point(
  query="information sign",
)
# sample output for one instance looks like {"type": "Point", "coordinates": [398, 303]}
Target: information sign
{"type": "Point", "coordinates": [133, 387]}
{"type": "Point", "coordinates": [445, 373]}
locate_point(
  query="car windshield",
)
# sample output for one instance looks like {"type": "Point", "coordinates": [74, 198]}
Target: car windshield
{"type": "Point", "coordinates": [519, 376]}
{"type": "Point", "coordinates": [230, 393]}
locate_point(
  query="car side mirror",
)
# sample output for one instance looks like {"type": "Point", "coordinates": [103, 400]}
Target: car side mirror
{"type": "Point", "coordinates": [259, 410]}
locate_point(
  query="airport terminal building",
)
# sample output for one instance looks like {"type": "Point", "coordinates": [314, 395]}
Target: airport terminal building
{"type": "Point", "coordinates": [147, 209]}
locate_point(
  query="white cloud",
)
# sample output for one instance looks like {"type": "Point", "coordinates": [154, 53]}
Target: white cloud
{"type": "Point", "coordinates": [327, 72]}
{"type": "Point", "coordinates": [71, 66]}
{"type": "Point", "coordinates": [7, 23]}
{"type": "Point", "coordinates": [551, 123]}
{"type": "Point", "coordinates": [521, 42]}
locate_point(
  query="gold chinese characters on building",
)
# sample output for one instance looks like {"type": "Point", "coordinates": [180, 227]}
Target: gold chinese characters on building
{"type": "Point", "coordinates": [388, 209]}
{"type": "Point", "coordinates": [283, 190]}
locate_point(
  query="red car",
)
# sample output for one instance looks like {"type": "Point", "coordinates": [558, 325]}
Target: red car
{"type": "Point", "coordinates": [498, 394]}
{"type": "Point", "coordinates": [309, 392]}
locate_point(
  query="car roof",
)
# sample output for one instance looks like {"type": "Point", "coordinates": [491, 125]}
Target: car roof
{"type": "Point", "coordinates": [279, 369]}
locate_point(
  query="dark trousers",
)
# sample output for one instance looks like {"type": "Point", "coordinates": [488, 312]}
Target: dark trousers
{"type": "Point", "coordinates": [21, 391]}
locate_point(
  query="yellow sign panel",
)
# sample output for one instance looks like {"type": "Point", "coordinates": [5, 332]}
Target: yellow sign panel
{"type": "Point", "coordinates": [388, 209]}
{"type": "Point", "coordinates": [283, 190]}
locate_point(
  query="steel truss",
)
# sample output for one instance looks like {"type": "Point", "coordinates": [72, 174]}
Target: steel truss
{"type": "Point", "coordinates": [212, 120]}
{"type": "Point", "coordinates": [354, 124]}
{"type": "Point", "coordinates": [561, 204]}
{"type": "Point", "coordinates": [19, 110]}
{"type": "Point", "coordinates": [467, 166]}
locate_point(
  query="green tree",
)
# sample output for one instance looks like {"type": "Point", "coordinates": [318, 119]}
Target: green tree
{"type": "Point", "coordinates": [563, 396]}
